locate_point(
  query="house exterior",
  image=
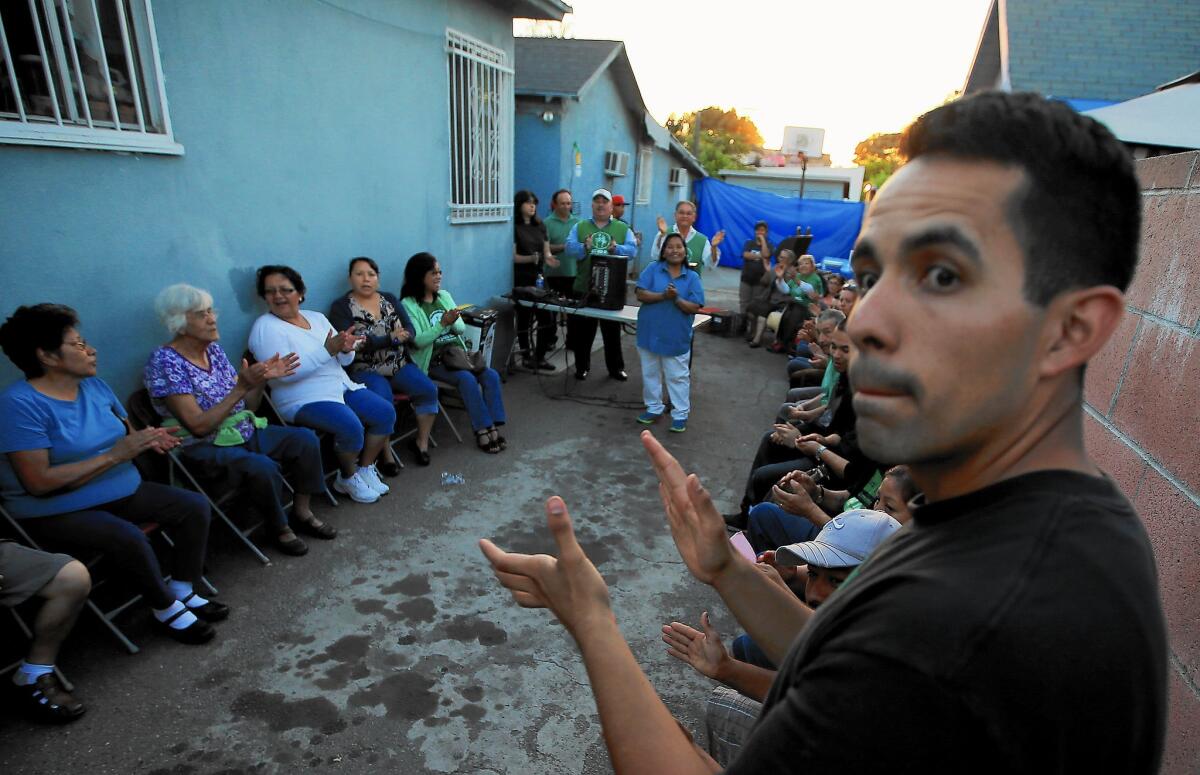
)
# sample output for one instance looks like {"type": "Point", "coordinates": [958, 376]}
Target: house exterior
{"type": "Point", "coordinates": [250, 133]}
{"type": "Point", "coordinates": [582, 95]}
{"type": "Point", "coordinates": [1087, 52]}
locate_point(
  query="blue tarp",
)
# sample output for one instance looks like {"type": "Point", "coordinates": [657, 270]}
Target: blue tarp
{"type": "Point", "coordinates": [735, 209]}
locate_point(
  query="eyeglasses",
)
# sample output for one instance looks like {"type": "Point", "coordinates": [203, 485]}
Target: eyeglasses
{"type": "Point", "coordinates": [80, 345]}
{"type": "Point", "coordinates": [279, 291]}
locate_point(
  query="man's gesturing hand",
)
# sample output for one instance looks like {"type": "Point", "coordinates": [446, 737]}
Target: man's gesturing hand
{"type": "Point", "coordinates": [696, 525]}
{"type": "Point", "coordinates": [701, 650]}
{"type": "Point", "coordinates": [569, 585]}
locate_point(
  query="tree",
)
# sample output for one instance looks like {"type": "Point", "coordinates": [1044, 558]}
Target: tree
{"type": "Point", "coordinates": [724, 137]}
{"type": "Point", "coordinates": [880, 154]}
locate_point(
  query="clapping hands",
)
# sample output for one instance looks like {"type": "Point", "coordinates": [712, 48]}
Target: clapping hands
{"type": "Point", "coordinates": [343, 342]}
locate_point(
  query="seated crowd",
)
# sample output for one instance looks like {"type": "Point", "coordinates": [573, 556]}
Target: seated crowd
{"type": "Point", "coordinates": [68, 448]}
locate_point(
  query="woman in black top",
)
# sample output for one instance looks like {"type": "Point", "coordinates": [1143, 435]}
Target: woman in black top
{"type": "Point", "coordinates": [531, 247]}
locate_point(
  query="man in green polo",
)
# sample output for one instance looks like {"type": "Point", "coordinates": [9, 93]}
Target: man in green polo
{"type": "Point", "coordinates": [601, 234]}
{"type": "Point", "coordinates": [561, 278]}
{"type": "Point", "coordinates": [701, 252]}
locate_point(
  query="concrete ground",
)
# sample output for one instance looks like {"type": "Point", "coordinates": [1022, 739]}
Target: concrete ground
{"type": "Point", "coordinates": [392, 648]}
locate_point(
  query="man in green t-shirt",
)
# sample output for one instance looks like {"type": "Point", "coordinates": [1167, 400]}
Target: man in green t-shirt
{"type": "Point", "coordinates": [561, 278]}
{"type": "Point", "coordinates": [600, 234]}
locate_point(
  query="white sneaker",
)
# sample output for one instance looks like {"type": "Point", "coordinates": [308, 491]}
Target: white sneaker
{"type": "Point", "coordinates": [356, 488]}
{"type": "Point", "coordinates": [371, 477]}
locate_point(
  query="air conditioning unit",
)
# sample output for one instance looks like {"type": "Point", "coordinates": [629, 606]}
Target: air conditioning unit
{"type": "Point", "coordinates": [616, 163]}
{"type": "Point", "coordinates": [678, 176]}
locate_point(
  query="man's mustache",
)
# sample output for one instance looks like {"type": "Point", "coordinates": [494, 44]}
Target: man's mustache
{"type": "Point", "coordinates": [872, 375]}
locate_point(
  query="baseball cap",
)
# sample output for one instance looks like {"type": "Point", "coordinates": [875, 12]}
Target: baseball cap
{"type": "Point", "coordinates": [844, 542]}
{"type": "Point", "coordinates": [604, 192]}
{"type": "Point", "coordinates": [618, 200]}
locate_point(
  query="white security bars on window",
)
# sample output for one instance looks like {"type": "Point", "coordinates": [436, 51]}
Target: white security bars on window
{"type": "Point", "coordinates": [82, 73]}
{"type": "Point", "coordinates": [481, 105]}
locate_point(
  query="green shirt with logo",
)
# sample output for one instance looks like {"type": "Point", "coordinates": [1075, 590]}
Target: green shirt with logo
{"type": "Point", "coordinates": [614, 231]}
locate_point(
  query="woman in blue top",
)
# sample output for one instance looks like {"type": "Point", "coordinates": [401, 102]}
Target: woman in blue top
{"type": "Point", "coordinates": [670, 294]}
{"type": "Point", "coordinates": [66, 470]}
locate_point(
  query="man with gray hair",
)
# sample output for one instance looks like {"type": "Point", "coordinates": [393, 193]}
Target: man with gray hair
{"type": "Point", "coordinates": [701, 252]}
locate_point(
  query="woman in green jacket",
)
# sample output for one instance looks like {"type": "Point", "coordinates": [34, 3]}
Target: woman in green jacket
{"type": "Point", "coordinates": [438, 325]}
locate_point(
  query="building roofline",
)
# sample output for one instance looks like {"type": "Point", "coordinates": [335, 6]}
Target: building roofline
{"type": "Point", "coordinates": [554, 10]}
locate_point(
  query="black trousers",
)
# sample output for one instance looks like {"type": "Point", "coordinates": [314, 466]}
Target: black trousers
{"type": "Point", "coordinates": [539, 340]}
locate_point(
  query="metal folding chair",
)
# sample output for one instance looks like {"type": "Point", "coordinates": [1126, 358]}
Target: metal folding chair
{"type": "Point", "coordinates": [105, 617]}
{"type": "Point", "coordinates": [143, 415]}
{"type": "Point", "coordinates": [442, 408]}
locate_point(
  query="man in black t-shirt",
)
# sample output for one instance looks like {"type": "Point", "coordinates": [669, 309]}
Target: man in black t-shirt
{"type": "Point", "coordinates": [1014, 625]}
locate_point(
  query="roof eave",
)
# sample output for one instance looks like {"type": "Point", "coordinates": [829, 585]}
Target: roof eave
{"type": "Point", "coordinates": [553, 10]}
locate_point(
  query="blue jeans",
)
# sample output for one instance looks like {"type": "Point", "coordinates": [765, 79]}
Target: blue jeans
{"type": "Point", "coordinates": [346, 421]}
{"type": "Point", "coordinates": [112, 528]}
{"type": "Point", "coordinates": [257, 467]}
{"type": "Point", "coordinates": [410, 380]}
{"type": "Point", "coordinates": [746, 650]}
{"type": "Point", "coordinates": [770, 527]}
{"type": "Point", "coordinates": [481, 394]}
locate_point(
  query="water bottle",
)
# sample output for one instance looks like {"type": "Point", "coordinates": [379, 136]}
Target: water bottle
{"type": "Point", "coordinates": [541, 282]}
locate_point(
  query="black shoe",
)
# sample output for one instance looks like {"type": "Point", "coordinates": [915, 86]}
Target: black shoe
{"type": "Point", "coordinates": [620, 376]}
{"type": "Point", "coordinates": [737, 520]}
{"type": "Point", "coordinates": [528, 363]}
{"type": "Point", "coordinates": [293, 546]}
{"type": "Point", "coordinates": [581, 375]}
{"type": "Point", "coordinates": [390, 468]}
{"type": "Point", "coordinates": [46, 701]}
{"type": "Point", "coordinates": [211, 611]}
{"type": "Point", "coordinates": [422, 455]}
{"type": "Point", "coordinates": [545, 365]}
{"type": "Point", "coordinates": [194, 634]}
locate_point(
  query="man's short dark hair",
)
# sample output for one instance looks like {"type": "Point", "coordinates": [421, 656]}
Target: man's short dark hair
{"type": "Point", "coordinates": [554, 197]}
{"type": "Point", "coordinates": [29, 329]}
{"type": "Point", "coordinates": [260, 279]}
{"type": "Point", "coordinates": [761, 225]}
{"type": "Point", "coordinates": [1078, 216]}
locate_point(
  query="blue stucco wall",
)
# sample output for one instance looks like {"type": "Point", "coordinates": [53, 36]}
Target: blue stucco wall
{"type": "Point", "coordinates": [313, 132]}
{"type": "Point", "coordinates": [1101, 49]}
{"type": "Point", "coordinates": [539, 166]}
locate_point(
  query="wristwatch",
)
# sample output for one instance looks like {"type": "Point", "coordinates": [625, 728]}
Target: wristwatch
{"type": "Point", "coordinates": [820, 448]}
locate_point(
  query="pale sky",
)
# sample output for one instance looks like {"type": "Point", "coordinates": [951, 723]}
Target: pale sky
{"type": "Point", "coordinates": [851, 67]}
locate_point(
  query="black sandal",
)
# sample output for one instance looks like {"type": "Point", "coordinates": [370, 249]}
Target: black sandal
{"type": "Point", "coordinates": [47, 701]}
{"type": "Point", "coordinates": [483, 440]}
{"type": "Point", "coordinates": [312, 527]}
{"type": "Point", "coordinates": [500, 442]}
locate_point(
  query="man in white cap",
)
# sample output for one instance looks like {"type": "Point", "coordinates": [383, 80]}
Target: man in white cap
{"type": "Point", "coordinates": [822, 565]}
{"type": "Point", "coordinates": [599, 235]}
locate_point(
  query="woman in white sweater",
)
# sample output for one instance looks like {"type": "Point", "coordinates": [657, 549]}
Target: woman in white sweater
{"type": "Point", "coordinates": [318, 394]}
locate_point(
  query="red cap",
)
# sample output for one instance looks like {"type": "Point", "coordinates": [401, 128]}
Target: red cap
{"type": "Point", "coordinates": [618, 200]}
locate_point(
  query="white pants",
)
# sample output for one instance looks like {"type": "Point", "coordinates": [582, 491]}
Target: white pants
{"type": "Point", "coordinates": [675, 369]}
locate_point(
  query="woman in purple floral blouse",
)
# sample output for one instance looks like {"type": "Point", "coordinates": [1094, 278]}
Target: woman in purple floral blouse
{"type": "Point", "coordinates": [193, 384]}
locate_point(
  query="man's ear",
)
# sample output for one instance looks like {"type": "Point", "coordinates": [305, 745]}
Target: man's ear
{"type": "Point", "coordinates": [1077, 325]}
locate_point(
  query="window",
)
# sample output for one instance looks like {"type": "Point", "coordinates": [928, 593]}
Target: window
{"type": "Point", "coordinates": [481, 107]}
{"type": "Point", "coordinates": [678, 176]}
{"type": "Point", "coordinates": [616, 164]}
{"type": "Point", "coordinates": [82, 74]}
{"type": "Point", "coordinates": [645, 175]}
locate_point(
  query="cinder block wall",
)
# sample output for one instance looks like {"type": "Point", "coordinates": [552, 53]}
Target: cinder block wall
{"type": "Point", "coordinates": [1143, 421]}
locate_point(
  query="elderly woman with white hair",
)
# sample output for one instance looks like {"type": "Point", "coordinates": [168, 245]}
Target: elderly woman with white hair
{"type": "Point", "coordinates": [193, 384]}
